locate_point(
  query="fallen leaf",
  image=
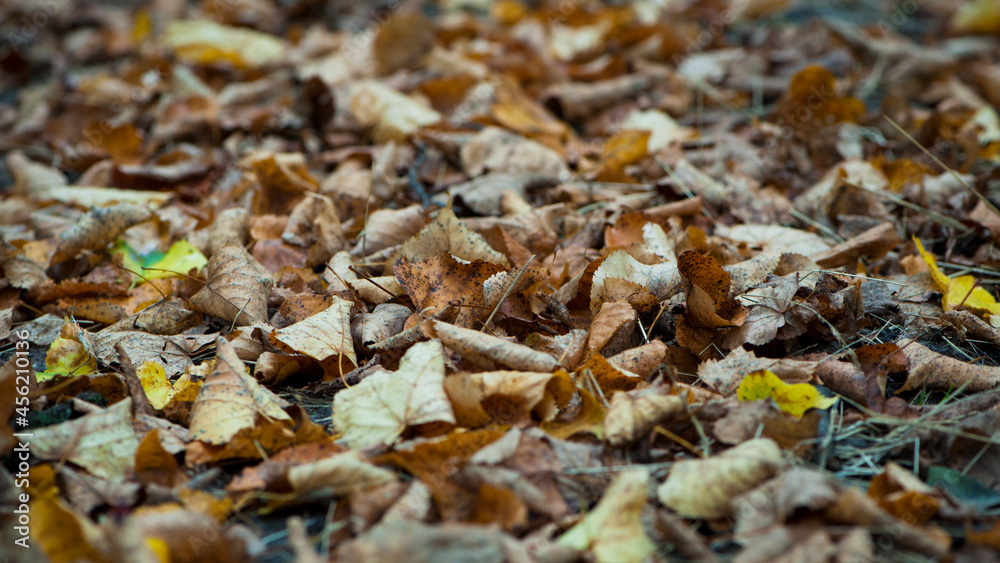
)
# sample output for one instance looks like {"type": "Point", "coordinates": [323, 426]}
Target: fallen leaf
{"type": "Point", "coordinates": [793, 398]}
{"type": "Point", "coordinates": [324, 337]}
{"type": "Point", "coordinates": [378, 410]}
{"type": "Point", "coordinates": [613, 530]}
{"type": "Point", "coordinates": [705, 488]}
{"type": "Point", "coordinates": [230, 400]}
{"type": "Point", "coordinates": [237, 289]}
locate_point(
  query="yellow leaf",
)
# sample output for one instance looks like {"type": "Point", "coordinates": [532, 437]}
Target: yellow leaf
{"type": "Point", "coordinates": [613, 530]}
{"type": "Point", "coordinates": [940, 279]}
{"type": "Point", "coordinates": [793, 398]}
{"type": "Point", "coordinates": [159, 548]}
{"type": "Point", "coordinates": [626, 147]}
{"type": "Point", "coordinates": [154, 380]}
{"type": "Point", "coordinates": [960, 291]}
{"type": "Point", "coordinates": [67, 355]}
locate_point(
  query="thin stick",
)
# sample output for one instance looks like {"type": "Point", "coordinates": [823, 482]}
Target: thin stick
{"type": "Point", "coordinates": [507, 293]}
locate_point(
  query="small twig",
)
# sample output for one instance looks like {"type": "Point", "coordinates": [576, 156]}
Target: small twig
{"type": "Point", "coordinates": [507, 293]}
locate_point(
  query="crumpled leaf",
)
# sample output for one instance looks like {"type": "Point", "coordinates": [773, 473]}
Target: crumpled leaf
{"type": "Point", "coordinates": [633, 414]}
{"type": "Point", "coordinates": [230, 400]}
{"type": "Point", "coordinates": [238, 287]}
{"type": "Point", "coordinates": [793, 398]}
{"type": "Point", "coordinates": [97, 228]}
{"type": "Point", "coordinates": [378, 410]}
{"type": "Point", "coordinates": [208, 43]}
{"type": "Point", "coordinates": [484, 349]}
{"type": "Point", "coordinates": [68, 355]}
{"type": "Point", "coordinates": [324, 337]}
{"type": "Point", "coordinates": [507, 397]}
{"type": "Point", "coordinates": [704, 488]}
{"type": "Point", "coordinates": [613, 530]}
{"type": "Point", "coordinates": [661, 280]}
{"type": "Point", "coordinates": [393, 115]}
{"type": "Point", "coordinates": [447, 234]}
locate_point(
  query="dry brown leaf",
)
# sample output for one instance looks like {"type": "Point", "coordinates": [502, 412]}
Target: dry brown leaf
{"type": "Point", "coordinates": [484, 350]}
{"type": "Point", "coordinates": [497, 150]}
{"type": "Point", "coordinates": [440, 281]}
{"type": "Point", "coordinates": [435, 461]}
{"type": "Point", "coordinates": [931, 370]}
{"type": "Point", "coordinates": [386, 228]}
{"type": "Point", "coordinates": [238, 287]}
{"type": "Point", "coordinates": [613, 530]}
{"type": "Point", "coordinates": [324, 337]}
{"type": "Point", "coordinates": [767, 307]}
{"type": "Point", "coordinates": [99, 227]}
{"type": "Point", "coordinates": [641, 360]}
{"type": "Point", "coordinates": [378, 410]}
{"type": "Point", "coordinates": [873, 243]}
{"type": "Point", "coordinates": [705, 488]}
{"type": "Point", "coordinates": [230, 400]}
{"type": "Point", "coordinates": [394, 116]}
{"type": "Point", "coordinates": [103, 442]}
{"type": "Point", "coordinates": [611, 329]}
{"type": "Point", "coordinates": [506, 397]}
{"type": "Point", "coordinates": [633, 414]}
{"type": "Point", "coordinates": [447, 234]}
{"type": "Point", "coordinates": [337, 475]}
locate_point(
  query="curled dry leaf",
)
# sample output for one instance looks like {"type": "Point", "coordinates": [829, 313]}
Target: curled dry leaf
{"type": "Point", "coordinates": [208, 43]}
{"type": "Point", "coordinates": [929, 369]}
{"type": "Point", "coordinates": [641, 360]}
{"type": "Point", "coordinates": [704, 488]}
{"type": "Point", "coordinates": [483, 349]}
{"type": "Point", "coordinates": [337, 475]}
{"type": "Point", "coordinates": [613, 530]}
{"type": "Point", "coordinates": [633, 414]}
{"type": "Point", "coordinates": [708, 303]}
{"type": "Point", "coordinates": [507, 397]}
{"type": "Point", "coordinates": [230, 400]}
{"type": "Point", "coordinates": [611, 328]}
{"type": "Point", "coordinates": [386, 321]}
{"type": "Point", "coordinates": [873, 243]}
{"type": "Point", "coordinates": [378, 410]}
{"type": "Point", "coordinates": [98, 228]}
{"type": "Point", "coordinates": [394, 116]}
{"type": "Point", "coordinates": [238, 287]}
{"type": "Point", "coordinates": [324, 337]}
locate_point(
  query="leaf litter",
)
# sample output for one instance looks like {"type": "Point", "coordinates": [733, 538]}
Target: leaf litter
{"type": "Point", "coordinates": [519, 281]}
